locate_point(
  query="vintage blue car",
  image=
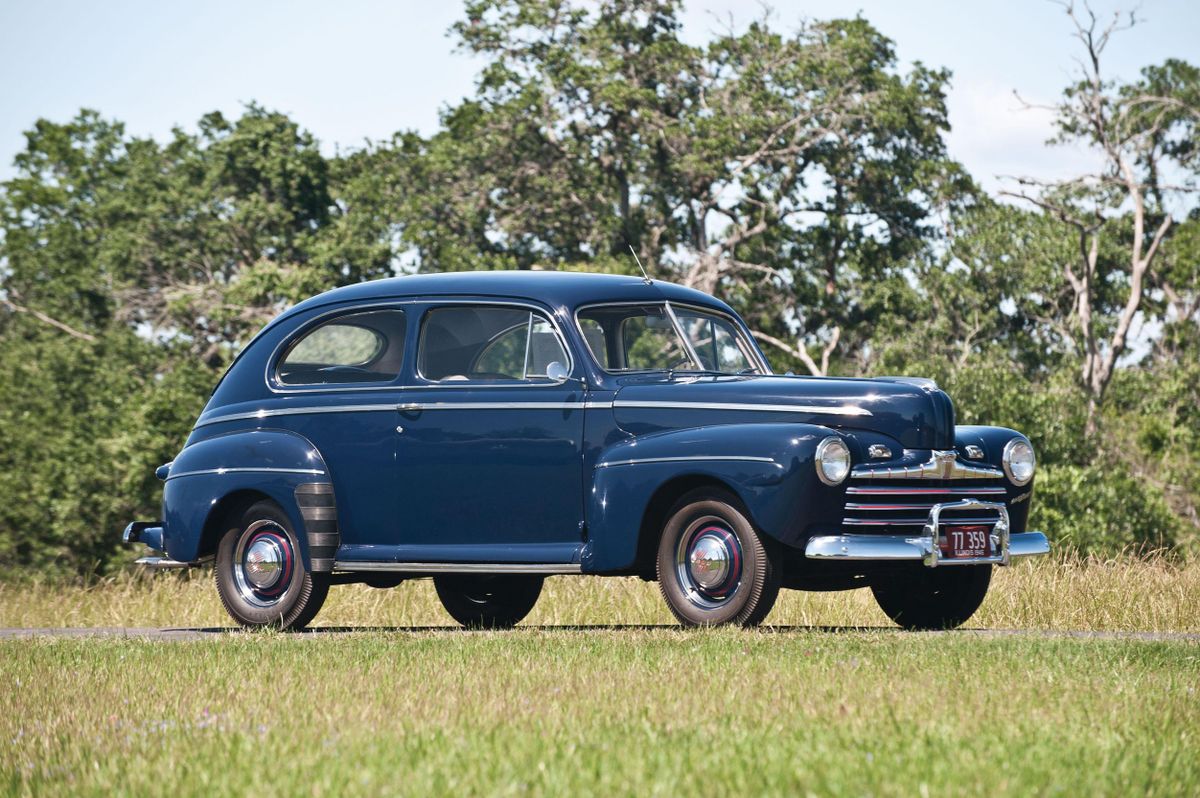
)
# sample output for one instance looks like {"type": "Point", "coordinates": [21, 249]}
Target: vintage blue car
{"type": "Point", "coordinates": [489, 429]}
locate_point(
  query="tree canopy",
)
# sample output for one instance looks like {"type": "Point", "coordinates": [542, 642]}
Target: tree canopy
{"type": "Point", "coordinates": [802, 175]}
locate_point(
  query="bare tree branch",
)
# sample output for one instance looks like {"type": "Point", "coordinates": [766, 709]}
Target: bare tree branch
{"type": "Point", "coordinates": [37, 314]}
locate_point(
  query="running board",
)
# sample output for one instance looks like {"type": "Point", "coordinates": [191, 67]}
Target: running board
{"type": "Point", "coordinates": [457, 567]}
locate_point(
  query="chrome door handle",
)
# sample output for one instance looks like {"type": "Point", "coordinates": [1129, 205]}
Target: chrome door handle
{"type": "Point", "coordinates": [409, 407]}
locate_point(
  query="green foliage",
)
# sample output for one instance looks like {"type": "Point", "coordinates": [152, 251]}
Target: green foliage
{"type": "Point", "coordinates": [800, 175]}
{"type": "Point", "coordinates": [84, 425]}
{"type": "Point", "coordinates": [1103, 508]}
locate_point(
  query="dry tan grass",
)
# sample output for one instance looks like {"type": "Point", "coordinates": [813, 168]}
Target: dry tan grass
{"type": "Point", "coordinates": [1124, 593]}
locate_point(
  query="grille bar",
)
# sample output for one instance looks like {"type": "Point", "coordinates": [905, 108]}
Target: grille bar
{"type": "Point", "coordinates": [912, 522]}
{"type": "Point", "coordinates": [872, 490]}
{"type": "Point", "coordinates": [905, 504]}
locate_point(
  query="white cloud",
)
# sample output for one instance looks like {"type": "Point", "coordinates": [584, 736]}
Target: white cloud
{"type": "Point", "coordinates": [993, 134]}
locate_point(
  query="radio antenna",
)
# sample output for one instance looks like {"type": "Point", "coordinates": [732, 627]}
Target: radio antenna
{"type": "Point", "coordinates": [638, 261]}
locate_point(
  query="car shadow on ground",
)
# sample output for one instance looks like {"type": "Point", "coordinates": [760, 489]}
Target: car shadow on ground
{"type": "Point", "coordinates": [319, 631]}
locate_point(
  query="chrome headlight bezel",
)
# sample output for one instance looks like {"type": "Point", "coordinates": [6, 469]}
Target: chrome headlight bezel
{"type": "Point", "coordinates": [833, 451]}
{"type": "Point", "coordinates": [1014, 461]}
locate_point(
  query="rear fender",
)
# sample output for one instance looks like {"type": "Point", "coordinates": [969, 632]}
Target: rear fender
{"type": "Point", "coordinates": [769, 467]}
{"type": "Point", "coordinates": [210, 477]}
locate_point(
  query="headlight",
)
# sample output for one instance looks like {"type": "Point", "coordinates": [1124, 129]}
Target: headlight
{"type": "Point", "coordinates": [833, 461]}
{"type": "Point", "coordinates": [1019, 461]}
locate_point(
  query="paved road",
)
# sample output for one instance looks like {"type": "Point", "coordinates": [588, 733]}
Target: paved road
{"type": "Point", "coordinates": [218, 633]}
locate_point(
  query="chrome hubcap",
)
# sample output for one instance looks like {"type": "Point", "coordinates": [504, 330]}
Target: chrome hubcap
{"type": "Point", "coordinates": [263, 563]}
{"type": "Point", "coordinates": [708, 562]}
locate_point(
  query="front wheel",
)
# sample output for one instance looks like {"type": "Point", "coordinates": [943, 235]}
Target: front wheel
{"type": "Point", "coordinates": [260, 577]}
{"type": "Point", "coordinates": [488, 601]}
{"type": "Point", "coordinates": [713, 567]}
{"type": "Point", "coordinates": [933, 598]}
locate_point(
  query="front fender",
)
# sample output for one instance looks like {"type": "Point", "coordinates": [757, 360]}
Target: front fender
{"type": "Point", "coordinates": [208, 474]}
{"type": "Point", "coordinates": [770, 467]}
{"type": "Point", "coordinates": [993, 440]}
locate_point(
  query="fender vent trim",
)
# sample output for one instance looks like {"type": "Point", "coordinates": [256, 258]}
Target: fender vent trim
{"type": "Point", "coordinates": [318, 508]}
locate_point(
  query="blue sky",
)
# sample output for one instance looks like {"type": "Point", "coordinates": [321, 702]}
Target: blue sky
{"type": "Point", "coordinates": [358, 69]}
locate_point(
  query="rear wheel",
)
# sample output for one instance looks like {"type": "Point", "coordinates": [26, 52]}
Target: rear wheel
{"type": "Point", "coordinates": [713, 567]}
{"type": "Point", "coordinates": [259, 574]}
{"type": "Point", "coordinates": [933, 598]}
{"type": "Point", "coordinates": [488, 601]}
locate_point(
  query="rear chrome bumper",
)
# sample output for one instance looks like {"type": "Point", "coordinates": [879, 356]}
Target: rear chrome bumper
{"type": "Point", "coordinates": [147, 532]}
{"type": "Point", "coordinates": [163, 562]}
{"type": "Point", "coordinates": [150, 533]}
{"type": "Point", "coordinates": [921, 547]}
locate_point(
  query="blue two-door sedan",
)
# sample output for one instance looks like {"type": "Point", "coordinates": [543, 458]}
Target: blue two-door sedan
{"type": "Point", "coordinates": [489, 429]}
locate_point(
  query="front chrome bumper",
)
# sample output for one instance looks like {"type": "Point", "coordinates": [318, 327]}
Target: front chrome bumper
{"type": "Point", "coordinates": [925, 547]}
{"type": "Point", "coordinates": [902, 547]}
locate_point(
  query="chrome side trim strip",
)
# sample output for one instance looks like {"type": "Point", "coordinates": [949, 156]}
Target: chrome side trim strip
{"type": "Point", "coordinates": [316, 471]}
{"type": "Point", "coordinates": [407, 407]}
{"type": "Point", "coordinates": [942, 464]}
{"type": "Point", "coordinates": [294, 411]}
{"type": "Point", "coordinates": [413, 407]}
{"type": "Point", "coordinates": [690, 458]}
{"type": "Point", "coordinates": [459, 567]}
{"type": "Point", "coordinates": [842, 410]}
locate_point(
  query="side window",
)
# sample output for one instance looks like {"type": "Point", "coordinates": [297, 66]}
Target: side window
{"type": "Point", "coordinates": [716, 342]}
{"type": "Point", "coordinates": [479, 343]}
{"type": "Point", "coordinates": [358, 347]}
{"type": "Point", "coordinates": [597, 341]}
{"type": "Point", "coordinates": [651, 342]}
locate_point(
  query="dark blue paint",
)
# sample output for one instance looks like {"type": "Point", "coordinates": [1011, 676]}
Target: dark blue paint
{"type": "Point", "coordinates": [535, 485]}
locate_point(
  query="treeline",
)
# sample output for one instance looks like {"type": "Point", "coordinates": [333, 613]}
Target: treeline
{"type": "Point", "coordinates": [800, 175]}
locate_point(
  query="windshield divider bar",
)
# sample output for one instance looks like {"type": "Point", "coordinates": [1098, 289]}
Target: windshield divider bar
{"type": "Point", "coordinates": [691, 351]}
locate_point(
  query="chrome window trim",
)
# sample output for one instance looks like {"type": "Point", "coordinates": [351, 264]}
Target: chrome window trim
{"type": "Point", "coordinates": [311, 471]}
{"type": "Point", "coordinates": [440, 302]}
{"type": "Point", "coordinates": [689, 459]}
{"type": "Point", "coordinates": [392, 385]}
{"type": "Point", "coordinates": [281, 348]}
{"type": "Point", "coordinates": [737, 322]}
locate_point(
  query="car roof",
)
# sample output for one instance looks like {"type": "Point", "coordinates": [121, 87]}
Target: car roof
{"type": "Point", "coordinates": [553, 288]}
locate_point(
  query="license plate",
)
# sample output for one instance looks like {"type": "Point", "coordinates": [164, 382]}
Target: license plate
{"type": "Point", "coordinates": [957, 542]}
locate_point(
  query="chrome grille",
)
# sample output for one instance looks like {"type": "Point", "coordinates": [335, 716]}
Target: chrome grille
{"type": "Point", "coordinates": [902, 506]}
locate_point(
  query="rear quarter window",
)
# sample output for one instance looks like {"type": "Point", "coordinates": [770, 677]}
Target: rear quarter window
{"type": "Point", "coordinates": [356, 347]}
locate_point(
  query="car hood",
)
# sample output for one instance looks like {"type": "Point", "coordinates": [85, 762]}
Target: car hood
{"type": "Point", "coordinates": [914, 412]}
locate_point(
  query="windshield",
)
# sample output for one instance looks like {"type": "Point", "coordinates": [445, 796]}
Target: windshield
{"type": "Point", "coordinates": [645, 337]}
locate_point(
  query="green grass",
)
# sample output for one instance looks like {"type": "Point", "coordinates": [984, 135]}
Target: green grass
{"type": "Point", "coordinates": [599, 693]}
{"type": "Point", "coordinates": [601, 712]}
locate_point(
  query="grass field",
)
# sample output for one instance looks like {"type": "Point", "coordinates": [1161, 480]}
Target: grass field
{"type": "Point", "coordinates": [627, 707]}
{"type": "Point", "coordinates": [1121, 594]}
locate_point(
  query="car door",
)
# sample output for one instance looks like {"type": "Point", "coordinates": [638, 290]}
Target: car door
{"type": "Point", "coordinates": [489, 460]}
{"type": "Point", "coordinates": [335, 381]}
